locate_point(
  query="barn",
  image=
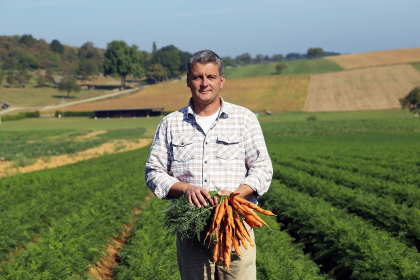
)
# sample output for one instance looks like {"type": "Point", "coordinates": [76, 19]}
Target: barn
{"type": "Point", "coordinates": [128, 113]}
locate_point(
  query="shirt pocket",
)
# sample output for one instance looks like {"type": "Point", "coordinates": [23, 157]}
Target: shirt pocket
{"type": "Point", "coordinates": [182, 147]}
{"type": "Point", "coordinates": [228, 146]}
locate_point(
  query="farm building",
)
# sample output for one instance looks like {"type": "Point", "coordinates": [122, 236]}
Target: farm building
{"type": "Point", "coordinates": [128, 113]}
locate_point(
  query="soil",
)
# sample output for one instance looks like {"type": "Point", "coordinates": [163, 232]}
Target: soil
{"type": "Point", "coordinates": [7, 169]}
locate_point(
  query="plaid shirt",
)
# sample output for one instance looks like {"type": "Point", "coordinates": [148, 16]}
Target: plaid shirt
{"type": "Point", "coordinates": [232, 153]}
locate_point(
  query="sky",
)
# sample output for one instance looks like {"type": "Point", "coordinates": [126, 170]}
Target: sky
{"type": "Point", "coordinates": [228, 27]}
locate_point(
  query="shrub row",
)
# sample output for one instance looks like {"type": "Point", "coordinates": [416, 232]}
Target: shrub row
{"type": "Point", "coordinates": [20, 116]}
{"type": "Point", "coordinates": [75, 114]}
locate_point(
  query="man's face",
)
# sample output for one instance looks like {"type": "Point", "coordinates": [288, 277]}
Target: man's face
{"type": "Point", "coordinates": [205, 83]}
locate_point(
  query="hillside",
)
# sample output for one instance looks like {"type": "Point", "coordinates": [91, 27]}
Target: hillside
{"type": "Point", "coordinates": [377, 58]}
{"type": "Point", "coordinates": [371, 88]}
{"type": "Point", "coordinates": [304, 66]}
{"type": "Point", "coordinates": [275, 93]}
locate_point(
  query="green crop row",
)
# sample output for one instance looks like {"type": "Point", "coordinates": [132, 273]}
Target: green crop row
{"type": "Point", "coordinates": [76, 209]}
{"type": "Point", "coordinates": [339, 127]}
{"type": "Point", "coordinates": [401, 193]}
{"type": "Point", "coordinates": [151, 254]}
{"type": "Point", "coordinates": [347, 246]}
{"type": "Point", "coordinates": [406, 173]}
{"type": "Point", "coordinates": [30, 203]}
{"type": "Point", "coordinates": [398, 219]}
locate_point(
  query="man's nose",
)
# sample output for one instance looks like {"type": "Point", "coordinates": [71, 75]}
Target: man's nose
{"type": "Point", "coordinates": [204, 82]}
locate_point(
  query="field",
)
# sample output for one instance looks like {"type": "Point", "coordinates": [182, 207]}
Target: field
{"type": "Point", "coordinates": [345, 189]}
{"type": "Point", "coordinates": [361, 89]}
{"type": "Point", "coordinates": [307, 66]}
{"type": "Point", "coordinates": [276, 93]}
{"type": "Point", "coordinates": [377, 58]}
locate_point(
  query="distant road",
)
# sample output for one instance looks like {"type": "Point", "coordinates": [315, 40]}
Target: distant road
{"type": "Point", "coordinates": [89, 99]}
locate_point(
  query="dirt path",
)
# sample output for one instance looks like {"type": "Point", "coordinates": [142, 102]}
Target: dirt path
{"type": "Point", "coordinates": [118, 146]}
{"type": "Point", "coordinates": [91, 134]}
{"type": "Point", "coordinates": [103, 269]}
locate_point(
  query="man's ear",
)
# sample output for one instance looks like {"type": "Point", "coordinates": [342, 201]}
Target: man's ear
{"type": "Point", "coordinates": [222, 81]}
{"type": "Point", "coordinates": [188, 81]}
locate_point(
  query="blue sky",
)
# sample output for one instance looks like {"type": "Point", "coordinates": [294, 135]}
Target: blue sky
{"type": "Point", "coordinates": [229, 27]}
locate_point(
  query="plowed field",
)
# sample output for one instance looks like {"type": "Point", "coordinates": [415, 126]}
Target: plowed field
{"type": "Point", "coordinates": [275, 93]}
{"type": "Point", "coordinates": [361, 89]}
{"type": "Point", "coordinates": [377, 58]}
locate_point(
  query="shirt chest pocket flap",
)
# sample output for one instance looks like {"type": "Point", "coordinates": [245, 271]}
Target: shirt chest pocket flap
{"type": "Point", "coordinates": [228, 146]}
{"type": "Point", "coordinates": [183, 148]}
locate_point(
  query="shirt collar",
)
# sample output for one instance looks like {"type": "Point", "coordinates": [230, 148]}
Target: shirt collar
{"type": "Point", "coordinates": [224, 110]}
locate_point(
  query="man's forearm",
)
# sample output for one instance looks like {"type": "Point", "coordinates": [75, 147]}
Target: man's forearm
{"type": "Point", "coordinates": [244, 190]}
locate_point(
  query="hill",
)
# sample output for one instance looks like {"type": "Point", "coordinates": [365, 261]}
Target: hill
{"type": "Point", "coordinates": [377, 58]}
{"type": "Point", "coordinates": [275, 93]}
{"type": "Point", "coordinates": [361, 89]}
{"type": "Point", "coordinates": [303, 66]}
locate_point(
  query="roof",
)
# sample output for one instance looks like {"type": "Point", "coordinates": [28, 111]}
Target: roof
{"type": "Point", "coordinates": [140, 109]}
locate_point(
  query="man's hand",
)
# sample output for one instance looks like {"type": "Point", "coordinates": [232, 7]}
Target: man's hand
{"type": "Point", "coordinates": [222, 192]}
{"type": "Point", "coordinates": [196, 195]}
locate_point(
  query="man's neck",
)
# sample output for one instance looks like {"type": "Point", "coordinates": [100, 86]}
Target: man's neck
{"type": "Point", "coordinates": [206, 110]}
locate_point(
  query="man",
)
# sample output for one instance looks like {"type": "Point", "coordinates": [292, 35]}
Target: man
{"type": "Point", "coordinates": [207, 146]}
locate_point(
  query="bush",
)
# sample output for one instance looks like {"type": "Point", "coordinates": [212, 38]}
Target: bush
{"type": "Point", "coordinates": [20, 116]}
{"type": "Point", "coordinates": [75, 114]}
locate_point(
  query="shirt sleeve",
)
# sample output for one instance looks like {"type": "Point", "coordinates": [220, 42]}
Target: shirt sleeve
{"type": "Point", "coordinates": [159, 163]}
{"type": "Point", "coordinates": [257, 160]}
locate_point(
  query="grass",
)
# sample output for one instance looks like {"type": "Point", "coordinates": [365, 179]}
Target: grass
{"type": "Point", "coordinates": [304, 66]}
{"type": "Point", "coordinates": [416, 65]}
{"type": "Point", "coordinates": [47, 127]}
{"type": "Point", "coordinates": [124, 133]}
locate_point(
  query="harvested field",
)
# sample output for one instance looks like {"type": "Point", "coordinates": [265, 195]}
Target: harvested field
{"type": "Point", "coordinates": [275, 93]}
{"type": "Point", "coordinates": [361, 89]}
{"type": "Point", "coordinates": [377, 58]}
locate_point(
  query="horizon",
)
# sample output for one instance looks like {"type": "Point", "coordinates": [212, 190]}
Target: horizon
{"type": "Point", "coordinates": [236, 28]}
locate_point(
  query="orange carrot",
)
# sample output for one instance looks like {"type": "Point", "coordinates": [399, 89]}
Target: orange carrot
{"type": "Point", "coordinates": [228, 246]}
{"type": "Point", "coordinates": [252, 213]}
{"type": "Point", "coordinates": [253, 206]}
{"type": "Point", "coordinates": [236, 246]}
{"type": "Point", "coordinates": [216, 252]}
{"type": "Point", "coordinates": [241, 227]}
{"type": "Point", "coordinates": [230, 216]}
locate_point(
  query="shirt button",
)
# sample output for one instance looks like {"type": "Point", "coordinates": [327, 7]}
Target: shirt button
{"type": "Point", "coordinates": [205, 161]}
{"type": "Point", "coordinates": [205, 181]}
{"type": "Point", "coordinates": [206, 143]}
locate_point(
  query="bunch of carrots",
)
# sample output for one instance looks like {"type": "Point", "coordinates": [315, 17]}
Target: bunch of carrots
{"type": "Point", "coordinates": [228, 228]}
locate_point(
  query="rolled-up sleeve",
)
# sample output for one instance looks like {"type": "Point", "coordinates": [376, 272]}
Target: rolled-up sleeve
{"type": "Point", "coordinates": [158, 164]}
{"type": "Point", "coordinates": [257, 160]}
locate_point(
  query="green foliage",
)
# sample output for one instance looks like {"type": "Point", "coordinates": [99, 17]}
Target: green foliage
{"type": "Point", "coordinates": [188, 221]}
{"type": "Point", "coordinates": [1, 79]}
{"type": "Point", "coordinates": [10, 78]}
{"type": "Point", "coordinates": [344, 244]}
{"type": "Point", "coordinates": [27, 40]}
{"type": "Point", "coordinates": [169, 58]}
{"type": "Point", "coordinates": [56, 46]}
{"type": "Point", "coordinates": [150, 253]}
{"type": "Point", "coordinates": [279, 67]}
{"type": "Point", "coordinates": [13, 150]}
{"type": "Point", "coordinates": [68, 84]}
{"type": "Point", "coordinates": [124, 133]}
{"type": "Point", "coordinates": [122, 60]}
{"type": "Point", "coordinates": [20, 116]}
{"type": "Point", "coordinates": [40, 80]}
{"type": "Point", "coordinates": [75, 114]}
{"type": "Point", "coordinates": [412, 100]}
{"type": "Point", "coordinates": [228, 62]}
{"type": "Point", "coordinates": [87, 68]}
{"type": "Point", "coordinates": [315, 52]}
{"type": "Point", "coordinates": [75, 209]}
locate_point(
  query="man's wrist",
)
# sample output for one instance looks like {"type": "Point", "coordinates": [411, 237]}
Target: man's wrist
{"type": "Point", "coordinates": [244, 190]}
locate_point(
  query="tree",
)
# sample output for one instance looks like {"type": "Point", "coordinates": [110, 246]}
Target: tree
{"type": "Point", "coordinates": [121, 60]}
{"type": "Point", "coordinates": [88, 51]}
{"type": "Point", "coordinates": [279, 67]}
{"type": "Point", "coordinates": [154, 48]}
{"type": "Point", "coordinates": [56, 46]}
{"type": "Point", "coordinates": [259, 58]}
{"type": "Point", "coordinates": [1, 80]}
{"type": "Point", "coordinates": [88, 67]}
{"type": "Point", "coordinates": [169, 58]}
{"type": "Point", "coordinates": [412, 100]}
{"type": "Point", "coordinates": [40, 80]}
{"type": "Point", "coordinates": [49, 77]}
{"type": "Point", "coordinates": [277, 57]}
{"type": "Point", "coordinates": [10, 79]}
{"type": "Point", "coordinates": [28, 40]}
{"type": "Point", "coordinates": [243, 59]}
{"type": "Point", "coordinates": [21, 79]}
{"type": "Point", "coordinates": [157, 72]}
{"type": "Point", "coordinates": [315, 52]}
{"type": "Point", "coordinates": [228, 62]}
{"type": "Point", "coordinates": [68, 84]}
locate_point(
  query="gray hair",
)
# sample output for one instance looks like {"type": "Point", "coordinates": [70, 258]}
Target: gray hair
{"type": "Point", "coordinates": [204, 57]}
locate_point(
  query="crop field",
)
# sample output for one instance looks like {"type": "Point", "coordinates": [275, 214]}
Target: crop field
{"type": "Point", "coordinates": [361, 89]}
{"type": "Point", "coordinates": [275, 93]}
{"type": "Point", "coordinates": [377, 58]}
{"type": "Point", "coordinates": [345, 190]}
{"type": "Point", "coordinates": [305, 66]}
